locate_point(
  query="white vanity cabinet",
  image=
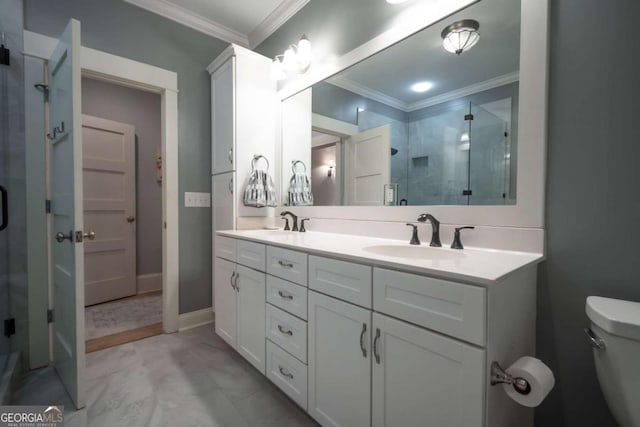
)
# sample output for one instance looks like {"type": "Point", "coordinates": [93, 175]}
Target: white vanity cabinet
{"type": "Point", "coordinates": [339, 362]}
{"type": "Point", "coordinates": [423, 378]}
{"type": "Point", "coordinates": [240, 308]}
{"type": "Point", "coordinates": [366, 345]}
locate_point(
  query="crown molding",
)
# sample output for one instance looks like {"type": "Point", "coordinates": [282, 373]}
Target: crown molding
{"type": "Point", "coordinates": [189, 19]}
{"type": "Point", "coordinates": [466, 91]}
{"type": "Point", "coordinates": [367, 92]}
{"type": "Point", "coordinates": [275, 20]}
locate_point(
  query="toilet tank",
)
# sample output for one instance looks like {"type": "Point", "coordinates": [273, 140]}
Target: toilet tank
{"type": "Point", "coordinates": [617, 324]}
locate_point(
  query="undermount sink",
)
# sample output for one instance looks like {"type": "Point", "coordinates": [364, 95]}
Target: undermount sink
{"type": "Point", "coordinates": [415, 252]}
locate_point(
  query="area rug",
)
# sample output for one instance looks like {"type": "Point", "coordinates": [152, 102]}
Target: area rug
{"type": "Point", "coordinates": [122, 315]}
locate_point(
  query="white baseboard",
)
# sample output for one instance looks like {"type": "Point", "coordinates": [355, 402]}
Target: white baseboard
{"type": "Point", "coordinates": [195, 318]}
{"type": "Point", "coordinates": [149, 283]}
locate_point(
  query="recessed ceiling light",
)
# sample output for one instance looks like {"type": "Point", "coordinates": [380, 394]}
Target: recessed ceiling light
{"type": "Point", "coordinates": [421, 86]}
{"type": "Point", "coordinates": [396, 1]}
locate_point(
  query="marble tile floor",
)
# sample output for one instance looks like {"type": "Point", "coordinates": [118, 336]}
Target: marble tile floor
{"type": "Point", "coordinates": [190, 378]}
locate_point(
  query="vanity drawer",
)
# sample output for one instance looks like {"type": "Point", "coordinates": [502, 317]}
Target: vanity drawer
{"type": "Point", "coordinates": [250, 254]}
{"type": "Point", "coordinates": [287, 331]}
{"type": "Point", "coordinates": [289, 265]}
{"type": "Point", "coordinates": [344, 280]}
{"type": "Point", "coordinates": [288, 373]}
{"type": "Point", "coordinates": [225, 247]}
{"type": "Point", "coordinates": [451, 308]}
{"type": "Point", "coordinates": [287, 296]}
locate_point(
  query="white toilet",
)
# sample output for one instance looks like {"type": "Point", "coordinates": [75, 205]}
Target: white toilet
{"type": "Point", "coordinates": [615, 336]}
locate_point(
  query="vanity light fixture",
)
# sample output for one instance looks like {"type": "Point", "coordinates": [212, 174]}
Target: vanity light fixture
{"type": "Point", "coordinates": [461, 36]}
{"type": "Point", "coordinates": [421, 86]}
{"type": "Point", "coordinates": [295, 60]}
{"type": "Point", "coordinates": [332, 165]}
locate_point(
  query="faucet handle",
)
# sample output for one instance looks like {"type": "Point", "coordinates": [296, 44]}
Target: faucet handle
{"type": "Point", "coordinates": [302, 229]}
{"type": "Point", "coordinates": [286, 223]}
{"type": "Point", "coordinates": [415, 240]}
{"type": "Point", "coordinates": [457, 243]}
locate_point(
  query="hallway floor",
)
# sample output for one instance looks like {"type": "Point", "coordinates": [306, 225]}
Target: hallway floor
{"type": "Point", "coordinates": [122, 315]}
{"type": "Point", "coordinates": [190, 378]}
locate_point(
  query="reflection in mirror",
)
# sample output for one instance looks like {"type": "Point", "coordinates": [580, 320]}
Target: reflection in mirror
{"type": "Point", "coordinates": [418, 125]}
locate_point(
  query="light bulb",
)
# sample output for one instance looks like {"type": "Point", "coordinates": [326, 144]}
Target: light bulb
{"type": "Point", "coordinates": [304, 52]}
{"type": "Point", "coordinates": [277, 72]}
{"type": "Point", "coordinates": [290, 63]}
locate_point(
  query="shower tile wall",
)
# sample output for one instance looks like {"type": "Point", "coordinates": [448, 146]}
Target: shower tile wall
{"type": "Point", "coordinates": [13, 259]}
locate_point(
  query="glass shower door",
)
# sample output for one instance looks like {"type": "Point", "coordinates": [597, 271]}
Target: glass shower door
{"type": "Point", "coordinates": [488, 158]}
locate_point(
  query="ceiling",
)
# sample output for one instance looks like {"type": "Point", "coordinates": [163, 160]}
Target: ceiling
{"type": "Point", "coordinates": [494, 61]}
{"type": "Point", "coordinates": [243, 22]}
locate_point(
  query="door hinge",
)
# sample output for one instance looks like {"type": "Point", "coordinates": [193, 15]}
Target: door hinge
{"type": "Point", "coordinates": [9, 327]}
{"type": "Point", "coordinates": [47, 206]}
{"type": "Point", "coordinates": [467, 192]}
{"type": "Point", "coordinates": [50, 316]}
{"type": "Point", "coordinates": [468, 116]}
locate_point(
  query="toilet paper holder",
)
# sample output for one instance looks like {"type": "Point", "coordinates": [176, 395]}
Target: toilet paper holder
{"type": "Point", "coordinates": [500, 376]}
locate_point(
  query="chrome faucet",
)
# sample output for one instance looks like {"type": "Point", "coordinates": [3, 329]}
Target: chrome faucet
{"type": "Point", "coordinates": [435, 227]}
{"type": "Point", "coordinates": [294, 219]}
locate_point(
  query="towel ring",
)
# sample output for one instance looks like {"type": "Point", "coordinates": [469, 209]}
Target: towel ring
{"type": "Point", "coordinates": [294, 163]}
{"type": "Point", "coordinates": [257, 157]}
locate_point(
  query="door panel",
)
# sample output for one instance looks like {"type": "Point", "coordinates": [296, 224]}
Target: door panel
{"type": "Point", "coordinates": [109, 204]}
{"type": "Point", "coordinates": [223, 202]}
{"type": "Point", "coordinates": [339, 362]}
{"type": "Point", "coordinates": [251, 286]}
{"type": "Point", "coordinates": [223, 117]}
{"type": "Point", "coordinates": [67, 212]}
{"type": "Point", "coordinates": [367, 166]}
{"type": "Point", "coordinates": [422, 378]}
{"type": "Point", "coordinates": [225, 300]}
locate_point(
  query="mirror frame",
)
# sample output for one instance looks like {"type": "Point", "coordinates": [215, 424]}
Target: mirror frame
{"type": "Point", "coordinates": [528, 212]}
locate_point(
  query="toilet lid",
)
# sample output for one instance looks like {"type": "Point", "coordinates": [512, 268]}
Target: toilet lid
{"type": "Point", "coordinates": [615, 316]}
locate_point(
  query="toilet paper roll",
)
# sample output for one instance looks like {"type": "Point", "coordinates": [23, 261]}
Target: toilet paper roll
{"type": "Point", "coordinates": [537, 374]}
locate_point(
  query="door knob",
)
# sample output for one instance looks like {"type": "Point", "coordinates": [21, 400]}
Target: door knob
{"type": "Point", "coordinates": [90, 235]}
{"type": "Point", "coordinates": [61, 237]}
{"type": "Point", "coordinates": [131, 219]}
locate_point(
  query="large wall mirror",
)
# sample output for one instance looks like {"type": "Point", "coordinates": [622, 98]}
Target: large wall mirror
{"type": "Point", "coordinates": [417, 125]}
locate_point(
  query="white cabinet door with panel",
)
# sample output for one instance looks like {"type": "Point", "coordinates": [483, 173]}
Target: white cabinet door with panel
{"type": "Point", "coordinates": [250, 286]}
{"type": "Point", "coordinates": [424, 379]}
{"type": "Point", "coordinates": [339, 362]}
{"type": "Point", "coordinates": [225, 300]}
{"type": "Point", "coordinates": [223, 117]}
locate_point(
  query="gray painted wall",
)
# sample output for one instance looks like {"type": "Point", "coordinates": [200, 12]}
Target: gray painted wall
{"type": "Point", "coordinates": [593, 203]}
{"type": "Point", "coordinates": [121, 29]}
{"type": "Point", "coordinates": [142, 110]}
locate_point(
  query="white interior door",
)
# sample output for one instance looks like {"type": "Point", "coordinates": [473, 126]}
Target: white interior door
{"type": "Point", "coordinates": [367, 166]}
{"type": "Point", "coordinates": [108, 152]}
{"type": "Point", "coordinates": [66, 209]}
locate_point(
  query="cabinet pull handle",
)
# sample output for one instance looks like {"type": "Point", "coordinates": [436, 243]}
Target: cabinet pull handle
{"type": "Point", "coordinates": [230, 155]}
{"type": "Point", "coordinates": [284, 295]}
{"type": "Point", "coordinates": [364, 331]}
{"type": "Point", "coordinates": [375, 346]}
{"type": "Point", "coordinates": [285, 264]}
{"type": "Point", "coordinates": [235, 281]}
{"type": "Point", "coordinates": [285, 373]}
{"type": "Point", "coordinates": [5, 208]}
{"type": "Point", "coordinates": [285, 331]}
{"type": "Point", "coordinates": [233, 275]}
{"type": "Point", "coordinates": [231, 186]}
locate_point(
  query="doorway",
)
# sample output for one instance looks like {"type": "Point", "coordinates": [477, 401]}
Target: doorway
{"type": "Point", "coordinates": [123, 204]}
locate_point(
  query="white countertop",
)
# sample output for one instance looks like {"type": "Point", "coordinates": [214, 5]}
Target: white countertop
{"type": "Point", "coordinates": [475, 265]}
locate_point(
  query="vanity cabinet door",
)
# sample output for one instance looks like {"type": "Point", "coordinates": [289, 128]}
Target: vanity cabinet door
{"type": "Point", "coordinates": [421, 378]}
{"type": "Point", "coordinates": [222, 118]}
{"type": "Point", "coordinates": [251, 287]}
{"type": "Point", "coordinates": [225, 300]}
{"type": "Point", "coordinates": [339, 362]}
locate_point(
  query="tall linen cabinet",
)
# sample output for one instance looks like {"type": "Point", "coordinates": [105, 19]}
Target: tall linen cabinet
{"type": "Point", "coordinates": [243, 125]}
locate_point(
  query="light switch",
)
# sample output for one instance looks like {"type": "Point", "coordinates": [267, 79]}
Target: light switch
{"type": "Point", "coordinates": [197, 200]}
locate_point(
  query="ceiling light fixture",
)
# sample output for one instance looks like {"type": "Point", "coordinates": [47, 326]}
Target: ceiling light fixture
{"type": "Point", "coordinates": [421, 86]}
{"type": "Point", "coordinates": [295, 60]}
{"type": "Point", "coordinates": [460, 36]}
